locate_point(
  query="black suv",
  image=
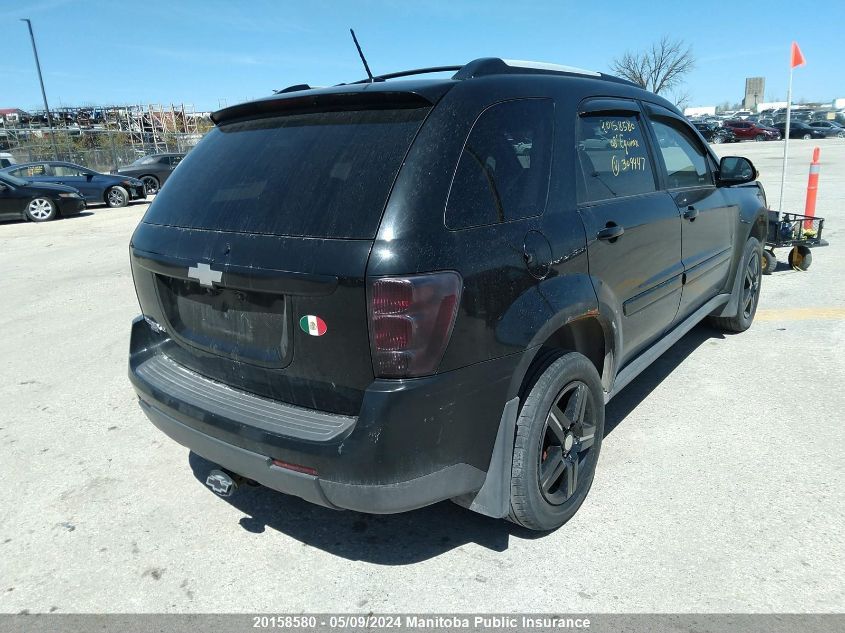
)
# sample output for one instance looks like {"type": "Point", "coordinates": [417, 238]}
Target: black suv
{"type": "Point", "coordinates": [393, 293]}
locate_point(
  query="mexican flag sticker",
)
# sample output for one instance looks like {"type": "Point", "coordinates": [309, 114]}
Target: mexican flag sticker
{"type": "Point", "coordinates": [313, 325]}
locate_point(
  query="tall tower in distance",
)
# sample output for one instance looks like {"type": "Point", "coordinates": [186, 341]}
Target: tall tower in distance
{"type": "Point", "coordinates": [754, 90]}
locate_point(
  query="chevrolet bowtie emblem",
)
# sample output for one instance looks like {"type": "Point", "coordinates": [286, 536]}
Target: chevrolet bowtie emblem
{"type": "Point", "coordinates": [204, 274]}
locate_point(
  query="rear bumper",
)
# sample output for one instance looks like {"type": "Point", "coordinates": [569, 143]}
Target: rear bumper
{"type": "Point", "coordinates": [414, 442]}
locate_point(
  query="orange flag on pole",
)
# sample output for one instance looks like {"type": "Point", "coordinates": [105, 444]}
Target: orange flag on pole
{"type": "Point", "coordinates": [797, 56]}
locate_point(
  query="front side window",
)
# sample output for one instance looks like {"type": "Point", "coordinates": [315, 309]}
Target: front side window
{"type": "Point", "coordinates": [66, 171]}
{"type": "Point", "coordinates": [685, 162]}
{"type": "Point", "coordinates": [503, 172]}
{"type": "Point", "coordinates": [613, 157]}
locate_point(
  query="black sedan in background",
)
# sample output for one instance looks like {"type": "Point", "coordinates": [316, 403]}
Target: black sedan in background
{"type": "Point", "coordinates": [799, 129]}
{"type": "Point", "coordinates": [713, 133]}
{"type": "Point", "coordinates": [20, 199]}
{"type": "Point", "coordinates": [830, 128]}
{"type": "Point", "coordinates": [152, 170]}
{"type": "Point", "coordinates": [115, 191]}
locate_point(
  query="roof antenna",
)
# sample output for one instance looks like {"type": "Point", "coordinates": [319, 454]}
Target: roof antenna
{"type": "Point", "coordinates": [361, 53]}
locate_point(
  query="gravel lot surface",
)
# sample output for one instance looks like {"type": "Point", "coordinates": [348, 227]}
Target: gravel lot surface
{"type": "Point", "coordinates": [721, 484]}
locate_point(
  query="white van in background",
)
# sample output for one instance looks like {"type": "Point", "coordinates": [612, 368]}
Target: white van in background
{"type": "Point", "coordinates": [6, 160]}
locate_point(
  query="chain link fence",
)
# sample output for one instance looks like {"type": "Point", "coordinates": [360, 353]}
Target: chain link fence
{"type": "Point", "coordinates": [100, 150]}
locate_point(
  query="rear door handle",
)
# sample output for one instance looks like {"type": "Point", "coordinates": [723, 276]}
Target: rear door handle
{"type": "Point", "coordinates": [691, 213]}
{"type": "Point", "coordinates": [610, 233]}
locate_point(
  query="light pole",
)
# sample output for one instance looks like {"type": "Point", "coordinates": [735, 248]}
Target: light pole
{"type": "Point", "coordinates": [43, 92]}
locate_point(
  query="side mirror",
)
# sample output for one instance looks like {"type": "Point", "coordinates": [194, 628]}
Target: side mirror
{"type": "Point", "coordinates": [736, 170]}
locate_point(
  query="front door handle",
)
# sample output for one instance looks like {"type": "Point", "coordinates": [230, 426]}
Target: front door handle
{"type": "Point", "coordinates": [691, 213]}
{"type": "Point", "coordinates": [611, 232]}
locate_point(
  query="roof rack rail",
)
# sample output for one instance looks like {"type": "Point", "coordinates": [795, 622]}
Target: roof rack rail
{"type": "Point", "coordinates": [487, 66]}
{"type": "Point", "coordinates": [408, 73]}
{"type": "Point", "coordinates": [293, 88]}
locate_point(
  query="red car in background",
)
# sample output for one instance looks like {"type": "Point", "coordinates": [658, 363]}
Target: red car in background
{"type": "Point", "coordinates": [749, 130]}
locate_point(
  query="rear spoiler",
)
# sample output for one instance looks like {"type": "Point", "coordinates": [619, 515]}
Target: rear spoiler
{"type": "Point", "coordinates": [322, 101]}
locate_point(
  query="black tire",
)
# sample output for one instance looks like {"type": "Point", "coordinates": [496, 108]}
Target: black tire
{"type": "Point", "coordinates": [807, 137]}
{"type": "Point", "coordinates": [151, 184]}
{"type": "Point", "coordinates": [800, 258]}
{"type": "Point", "coordinates": [751, 265]}
{"type": "Point", "coordinates": [41, 210]}
{"type": "Point", "coordinates": [718, 140]}
{"type": "Point", "coordinates": [759, 137]}
{"type": "Point", "coordinates": [566, 439]}
{"type": "Point", "coordinates": [117, 197]}
{"type": "Point", "coordinates": [768, 263]}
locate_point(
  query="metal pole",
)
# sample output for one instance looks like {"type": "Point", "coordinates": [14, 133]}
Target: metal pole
{"type": "Point", "coordinates": [43, 92]}
{"type": "Point", "coordinates": [786, 137]}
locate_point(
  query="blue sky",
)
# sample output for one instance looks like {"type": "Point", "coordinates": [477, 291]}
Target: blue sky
{"type": "Point", "coordinates": [212, 52]}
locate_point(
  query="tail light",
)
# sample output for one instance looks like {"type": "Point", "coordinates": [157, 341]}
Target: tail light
{"type": "Point", "coordinates": [411, 320]}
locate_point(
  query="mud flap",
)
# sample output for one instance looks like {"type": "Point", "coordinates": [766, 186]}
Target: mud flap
{"type": "Point", "coordinates": [731, 307]}
{"type": "Point", "coordinates": [494, 497]}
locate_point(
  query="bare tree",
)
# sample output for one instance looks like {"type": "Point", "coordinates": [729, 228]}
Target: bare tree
{"type": "Point", "coordinates": [662, 67]}
{"type": "Point", "coordinates": [681, 98]}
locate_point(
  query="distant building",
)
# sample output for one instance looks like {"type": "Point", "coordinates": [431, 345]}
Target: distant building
{"type": "Point", "coordinates": [754, 90]}
{"type": "Point", "coordinates": [700, 111]}
{"type": "Point", "coordinates": [770, 105]}
{"type": "Point", "coordinates": [11, 115]}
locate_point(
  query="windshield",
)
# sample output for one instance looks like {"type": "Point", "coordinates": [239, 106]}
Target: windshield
{"type": "Point", "coordinates": [146, 160]}
{"type": "Point", "coordinates": [322, 174]}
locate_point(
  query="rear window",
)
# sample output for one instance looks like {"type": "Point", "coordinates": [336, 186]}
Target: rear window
{"type": "Point", "coordinates": [322, 174]}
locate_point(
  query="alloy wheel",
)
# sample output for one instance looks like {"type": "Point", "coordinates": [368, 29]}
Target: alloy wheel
{"type": "Point", "coordinates": [566, 442]}
{"type": "Point", "coordinates": [40, 209]}
{"type": "Point", "coordinates": [115, 198]}
{"type": "Point", "coordinates": [751, 285]}
{"type": "Point", "coordinates": [150, 184]}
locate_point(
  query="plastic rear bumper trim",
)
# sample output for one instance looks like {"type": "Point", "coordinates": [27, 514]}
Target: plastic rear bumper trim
{"type": "Point", "coordinates": [449, 482]}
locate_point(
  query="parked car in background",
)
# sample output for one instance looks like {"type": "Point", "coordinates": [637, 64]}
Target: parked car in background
{"type": "Point", "coordinates": [115, 191]}
{"type": "Point", "coordinates": [830, 128]}
{"type": "Point", "coordinates": [716, 134]}
{"type": "Point", "coordinates": [750, 131]}
{"type": "Point", "coordinates": [742, 114]}
{"type": "Point", "coordinates": [795, 115]}
{"type": "Point", "coordinates": [6, 159]}
{"type": "Point", "coordinates": [152, 170]}
{"type": "Point", "coordinates": [799, 129]}
{"type": "Point", "coordinates": [40, 202]}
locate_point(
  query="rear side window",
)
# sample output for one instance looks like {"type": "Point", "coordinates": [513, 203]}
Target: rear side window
{"type": "Point", "coordinates": [503, 172]}
{"type": "Point", "coordinates": [613, 157]}
{"type": "Point", "coordinates": [31, 171]}
{"type": "Point", "coordinates": [322, 174]}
